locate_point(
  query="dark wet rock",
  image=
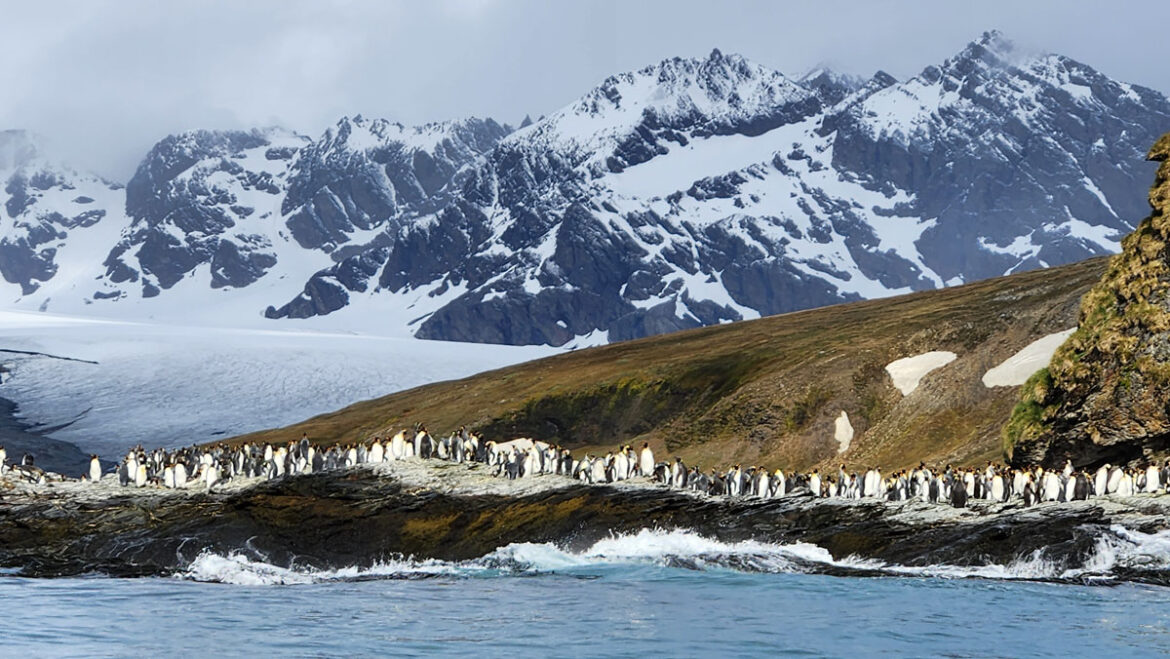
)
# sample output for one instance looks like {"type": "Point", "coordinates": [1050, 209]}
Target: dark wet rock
{"type": "Point", "coordinates": [357, 518]}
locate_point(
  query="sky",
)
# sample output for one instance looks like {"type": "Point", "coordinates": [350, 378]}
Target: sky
{"type": "Point", "coordinates": [101, 82]}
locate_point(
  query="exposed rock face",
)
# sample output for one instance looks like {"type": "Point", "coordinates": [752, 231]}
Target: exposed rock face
{"type": "Point", "coordinates": [47, 212]}
{"type": "Point", "coordinates": [605, 219]}
{"type": "Point", "coordinates": [1104, 397]}
{"type": "Point", "coordinates": [689, 192]}
{"type": "Point", "coordinates": [194, 202]}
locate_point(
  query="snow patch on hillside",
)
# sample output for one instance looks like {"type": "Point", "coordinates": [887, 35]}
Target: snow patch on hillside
{"type": "Point", "coordinates": [909, 371]}
{"type": "Point", "coordinates": [843, 432]}
{"type": "Point", "coordinates": [1015, 370]}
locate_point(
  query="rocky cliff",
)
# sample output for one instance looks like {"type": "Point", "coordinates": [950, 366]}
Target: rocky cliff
{"type": "Point", "coordinates": [1105, 397]}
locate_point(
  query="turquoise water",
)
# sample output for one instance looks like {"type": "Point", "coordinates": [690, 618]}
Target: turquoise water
{"type": "Point", "coordinates": [650, 595]}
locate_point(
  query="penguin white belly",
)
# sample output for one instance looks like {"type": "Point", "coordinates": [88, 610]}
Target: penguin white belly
{"type": "Point", "coordinates": [1051, 487]}
{"type": "Point", "coordinates": [1100, 481]}
{"type": "Point", "coordinates": [1114, 481]}
{"type": "Point", "coordinates": [997, 488]}
{"type": "Point", "coordinates": [95, 470]}
{"type": "Point", "coordinates": [814, 484]}
{"type": "Point", "coordinates": [647, 462]}
{"type": "Point", "coordinates": [598, 471]}
{"type": "Point", "coordinates": [1125, 486]}
{"type": "Point", "coordinates": [621, 466]}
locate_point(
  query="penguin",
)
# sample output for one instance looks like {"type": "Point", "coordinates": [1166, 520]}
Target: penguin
{"type": "Point", "coordinates": [1018, 480]}
{"type": "Point", "coordinates": [377, 453]}
{"type": "Point", "coordinates": [598, 471]}
{"type": "Point", "coordinates": [1029, 494]}
{"type": "Point", "coordinates": [1152, 479]}
{"type": "Point", "coordinates": [1050, 489]}
{"type": "Point", "coordinates": [959, 497]}
{"type": "Point", "coordinates": [646, 460]}
{"type": "Point", "coordinates": [678, 473]}
{"type": "Point", "coordinates": [1101, 480]}
{"type": "Point", "coordinates": [140, 475]}
{"type": "Point", "coordinates": [1082, 488]}
{"type": "Point", "coordinates": [997, 489]}
{"type": "Point", "coordinates": [779, 484]}
{"type": "Point", "coordinates": [1125, 486]}
{"type": "Point", "coordinates": [1114, 480]}
{"type": "Point", "coordinates": [398, 445]}
{"type": "Point", "coordinates": [814, 483]}
{"type": "Point", "coordinates": [621, 465]}
{"type": "Point", "coordinates": [763, 486]}
{"type": "Point", "coordinates": [3, 460]}
{"type": "Point", "coordinates": [95, 469]}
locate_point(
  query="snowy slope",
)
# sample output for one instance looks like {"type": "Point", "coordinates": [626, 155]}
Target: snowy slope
{"type": "Point", "coordinates": [167, 385]}
{"type": "Point", "coordinates": [695, 192]}
{"type": "Point", "coordinates": [51, 220]}
{"type": "Point", "coordinates": [689, 192]}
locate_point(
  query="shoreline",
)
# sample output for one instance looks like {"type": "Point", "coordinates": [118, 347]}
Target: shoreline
{"type": "Point", "coordinates": [19, 437]}
{"type": "Point", "coordinates": [451, 512]}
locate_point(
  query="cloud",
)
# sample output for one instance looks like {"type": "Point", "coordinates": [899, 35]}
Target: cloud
{"type": "Point", "coordinates": [105, 80]}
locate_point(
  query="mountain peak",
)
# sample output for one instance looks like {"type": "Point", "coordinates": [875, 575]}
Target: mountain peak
{"type": "Point", "coordinates": [991, 49]}
{"type": "Point", "coordinates": [17, 149]}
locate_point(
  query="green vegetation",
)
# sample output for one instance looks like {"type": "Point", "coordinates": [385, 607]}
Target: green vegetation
{"type": "Point", "coordinates": [1120, 353]}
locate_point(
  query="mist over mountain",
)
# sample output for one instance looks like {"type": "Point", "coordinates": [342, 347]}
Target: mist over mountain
{"type": "Point", "coordinates": [689, 192]}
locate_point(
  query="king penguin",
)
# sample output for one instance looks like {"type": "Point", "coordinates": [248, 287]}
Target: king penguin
{"type": "Point", "coordinates": [95, 469]}
{"type": "Point", "coordinates": [646, 461]}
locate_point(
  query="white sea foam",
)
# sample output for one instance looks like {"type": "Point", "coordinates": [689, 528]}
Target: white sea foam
{"type": "Point", "coordinates": [1119, 548]}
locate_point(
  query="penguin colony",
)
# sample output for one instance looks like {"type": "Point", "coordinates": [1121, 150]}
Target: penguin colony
{"type": "Point", "coordinates": [204, 466]}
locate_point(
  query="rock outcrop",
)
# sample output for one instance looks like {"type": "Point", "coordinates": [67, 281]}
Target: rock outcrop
{"type": "Point", "coordinates": [360, 517]}
{"type": "Point", "coordinates": [1105, 397]}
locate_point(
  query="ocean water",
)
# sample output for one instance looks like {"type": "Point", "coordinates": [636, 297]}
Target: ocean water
{"type": "Point", "coordinates": [653, 593]}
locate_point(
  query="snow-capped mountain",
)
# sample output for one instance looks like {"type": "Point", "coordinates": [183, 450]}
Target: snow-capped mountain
{"type": "Point", "coordinates": [52, 217]}
{"type": "Point", "coordinates": [690, 192]}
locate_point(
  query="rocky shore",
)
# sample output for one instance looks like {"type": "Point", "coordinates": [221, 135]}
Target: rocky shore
{"type": "Point", "coordinates": [459, 512]}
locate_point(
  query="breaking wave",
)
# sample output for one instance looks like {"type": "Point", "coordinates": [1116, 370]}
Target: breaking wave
{"type": "Point", "coordinates": [1119, 554]}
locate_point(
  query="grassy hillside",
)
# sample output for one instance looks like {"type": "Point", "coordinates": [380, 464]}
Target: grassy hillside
{"type": "Point", "coordinates": [765, 391]}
